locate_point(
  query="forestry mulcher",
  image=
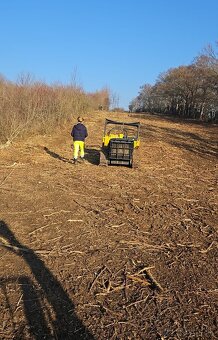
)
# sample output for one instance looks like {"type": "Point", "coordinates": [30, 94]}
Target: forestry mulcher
{"type": "Point", "coordinates": [119, 141]}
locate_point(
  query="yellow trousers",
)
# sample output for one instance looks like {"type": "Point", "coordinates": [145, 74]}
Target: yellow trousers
{"type": "Point", "coordinates": [78, 146]}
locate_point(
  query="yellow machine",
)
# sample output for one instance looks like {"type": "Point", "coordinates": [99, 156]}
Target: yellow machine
{"type": "Point", "coordinates": [119, 141]}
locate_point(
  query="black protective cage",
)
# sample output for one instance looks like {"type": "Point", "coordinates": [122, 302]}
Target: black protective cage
{"type": "Point", "coordinates": [121, 151]}
{"type": "Point", "coordinates": [122, 124]}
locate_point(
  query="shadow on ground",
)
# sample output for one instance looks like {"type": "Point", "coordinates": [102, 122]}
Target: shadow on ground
{"type": "Point", "coordinates": [49, 311]}
{"type": "Point", "coordinates": [57, 156]}
{"type": "Point", "coordinates": [173, 118]}
{"type": "Point", "coordinates": [91, 155]}
{"type": "Point", "coordinates": [195, 143]}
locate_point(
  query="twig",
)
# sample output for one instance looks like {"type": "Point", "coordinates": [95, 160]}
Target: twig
{"type": "Point", "coordinates": [40, 228]}
{"type": "Point", "coordinates": [18, 303]}
{"type": "Point", "coordinates": [55, 239]}
{"type": "Point", "coordinates": [4, 243]}
{"type": "Point", "coordinates": [147, 245]}
{"type": "Point", "coordinates": [112, 290]}
{"type": "Point", "coordinates": [188, 245]}
{"type": "Point", "coordinates": [88, 305]}
{"type": "Point", "coordinates": [74, 220]}
{"type": "Point", "coordinates": [153, 281]}
{"type": "Point", "coordinates": [208, 248]}
{"type": "Point", "coordinates": [136, 302]}
{"type": "Point", "coordinates": [76, 252]}
{"type": "Point", "coordinates": [96, 278]}
{"type": "Point", "coordinates": [41, 251]}
{"type": "Point", "coordinates": [7, 176]}
{"type": "Point", "coordinates": [161, 336]}
{"type": "Point", "coordinates": [58, 212]}
{"type": "Point", "coordinates": [119, 322]}
{"type": "Point", "coordinates": [8, 166]}
{"type": "Point", "coordinates": [6, 145]}
{"type": "Point", "coordinates": [148, 279]}
{"type": "Point", "coordinates": [135, 278]}
{"type": "Point", "coordinates": [144, 269]}
{"type": "Point", "coordinates": [67, 246]}
{"type": "Point", "coordinates": [116, 225]}
{"type": "Point", "coordinates": [188, 200]}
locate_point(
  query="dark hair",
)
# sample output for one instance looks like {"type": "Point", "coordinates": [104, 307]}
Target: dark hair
{"type": "Point", "coordinates": [80, 119]}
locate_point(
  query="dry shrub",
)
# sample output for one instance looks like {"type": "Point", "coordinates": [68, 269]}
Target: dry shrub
{"type": "Point", "coordinates": [99, 99]}
{"type": "Point", "coordinates": [28, 106]}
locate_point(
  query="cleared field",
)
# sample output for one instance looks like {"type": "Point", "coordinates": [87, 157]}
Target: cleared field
{"type": "Point", "coordinates": [91, 252]}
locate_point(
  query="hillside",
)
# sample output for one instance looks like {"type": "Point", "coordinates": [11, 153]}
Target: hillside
{"type": "Point", "coordinates": [90, 252]}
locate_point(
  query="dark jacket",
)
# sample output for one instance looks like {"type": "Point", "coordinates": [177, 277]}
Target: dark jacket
{"type": "Point", "coordinates": [79, 132]}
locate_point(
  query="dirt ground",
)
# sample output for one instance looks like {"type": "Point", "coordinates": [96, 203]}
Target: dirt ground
{"type": "Point", "coordinates": [91, 252]}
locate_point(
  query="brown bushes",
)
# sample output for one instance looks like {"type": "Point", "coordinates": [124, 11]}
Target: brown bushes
{"type": "Point", "coordinates": [35, 107]}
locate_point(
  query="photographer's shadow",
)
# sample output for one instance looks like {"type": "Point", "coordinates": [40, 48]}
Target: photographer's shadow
{"type": "Point", "coordinates": [65, 324]}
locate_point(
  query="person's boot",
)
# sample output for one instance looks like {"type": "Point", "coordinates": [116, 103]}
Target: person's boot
{"type": "Point", "coordinates": [82, 159]}
{"type": "Point", "coordinates": [75, 161]}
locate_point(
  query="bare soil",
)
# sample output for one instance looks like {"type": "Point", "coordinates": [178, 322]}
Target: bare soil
{"type": "Point", "coordinates": [91, 252]}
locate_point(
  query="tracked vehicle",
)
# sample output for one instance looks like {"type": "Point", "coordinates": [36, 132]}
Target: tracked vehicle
{"type": "Point", "coordinates": [119, 141]}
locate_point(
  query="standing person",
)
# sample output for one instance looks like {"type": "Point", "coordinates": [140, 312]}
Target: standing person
{"type": "Point", "coordinates": [79, 134]}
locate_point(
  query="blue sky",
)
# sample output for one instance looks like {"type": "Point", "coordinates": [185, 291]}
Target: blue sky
{"type": "Point", "coordinates": [119, 44]}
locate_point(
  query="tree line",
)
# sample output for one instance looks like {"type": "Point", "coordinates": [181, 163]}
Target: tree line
{"type": "Point", "coordinates": [189, 91]}
{"type": "Point", "coordinates": [29, 106]}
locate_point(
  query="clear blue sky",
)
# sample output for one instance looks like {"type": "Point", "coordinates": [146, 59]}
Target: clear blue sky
{"type": "Point", "coordinates": [121, 44]}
